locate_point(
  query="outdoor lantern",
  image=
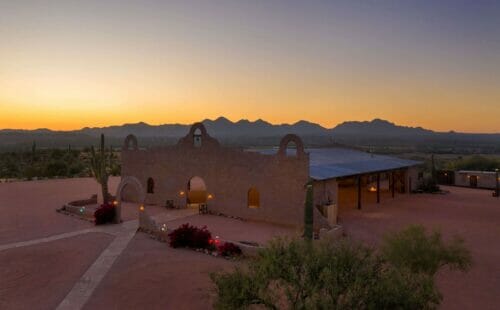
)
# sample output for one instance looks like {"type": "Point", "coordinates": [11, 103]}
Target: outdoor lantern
{"type": "Point", "coordinates": [181, 193]}
{"type": "Point", "coordinates": [115, 203]}
{"type": "Point", "coordinates": [141, 208]}
{"type": "Point", "coordinates": [210, 196]}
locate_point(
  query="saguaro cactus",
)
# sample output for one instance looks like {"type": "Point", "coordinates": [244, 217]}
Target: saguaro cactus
{"type": "Point", "coordinates": [308, 213]}
{"type": "Point", "coordinates": [99, 165]}
{"type": "Point", "coordinates": [433, 169]}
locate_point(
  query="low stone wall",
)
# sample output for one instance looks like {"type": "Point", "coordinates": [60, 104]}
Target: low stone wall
{"type": "Point", "coordinates": [335, 233]}
{"type": "Point", "coordinates": [161, 232]}
{"type": "Point", "coordinates": [79, 210]}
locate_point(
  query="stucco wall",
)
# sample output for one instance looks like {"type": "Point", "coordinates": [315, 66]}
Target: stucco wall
{"type": "Point", "coordinates": [484, 180]}
{"type": "Point", "coordinates": [412, 180]}
{"type": "Point", "coordinates": [325, 191]}
{"type": "Point", "coordinates": [228, 174]}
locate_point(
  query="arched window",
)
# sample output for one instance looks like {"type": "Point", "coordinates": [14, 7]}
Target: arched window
{"type": "Point", "coordinates": [291, 145]}
{"type": "Point", "coordinates": [197, 138]}
{"type": "Point", "coordinates": [151, 186]}
{"type": "Point", "coordinates": [130, 143]}
{"type": "Point", "coordinates": [253, 198]}
{"type": "Point", "coordinates": [291, 149]}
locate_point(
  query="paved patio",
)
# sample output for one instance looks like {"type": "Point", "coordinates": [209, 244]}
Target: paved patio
{"type": "Point", "coordinates": [41, 251]}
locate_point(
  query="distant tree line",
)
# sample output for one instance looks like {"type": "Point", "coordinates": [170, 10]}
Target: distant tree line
{"type": "Point", "coordinates": [50, 163]}
{"type": "Point", "coordinates": [476, 162]}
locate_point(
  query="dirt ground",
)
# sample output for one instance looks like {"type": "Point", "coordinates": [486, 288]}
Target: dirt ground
{"type": "Point", "coordinates": [150, 275]}
{"type": "Point", "coordinates": [470, 213]}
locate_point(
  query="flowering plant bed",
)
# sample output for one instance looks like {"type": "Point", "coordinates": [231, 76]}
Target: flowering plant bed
{"type": "Point", "coordinates": [201, 240]}
{"type": "Point", "coordinates": [189, 236]}
{"type": "Point", "coordinates": [104, 214]}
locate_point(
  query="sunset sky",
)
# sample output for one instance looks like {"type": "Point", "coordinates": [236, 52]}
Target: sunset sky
{"type": "Point", "coordinates": [70, 64]}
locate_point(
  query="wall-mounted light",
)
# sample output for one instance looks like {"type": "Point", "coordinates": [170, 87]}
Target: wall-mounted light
{"type": "Point", "coordinates": [210, 196]}
{"type": "Point", "coordinates": [141, 208]}
{"type": "Point", "coordinates": [115, 203]}
{"type": "Point", "coordinates": [182, 193]}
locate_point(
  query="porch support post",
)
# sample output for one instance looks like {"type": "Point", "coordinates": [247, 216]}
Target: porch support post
{"type": "Point", "coordinates": [497, 182]}
{"type": "Point", "coordinates": [378, 187]}
{"type": "Point", "coordinates": [359, 192]}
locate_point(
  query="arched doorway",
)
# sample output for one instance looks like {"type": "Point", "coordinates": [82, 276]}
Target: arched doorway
{"type": "Point", "coordinates": [196, 192]}
{"type": "Point", "coordinates": [129, 187]}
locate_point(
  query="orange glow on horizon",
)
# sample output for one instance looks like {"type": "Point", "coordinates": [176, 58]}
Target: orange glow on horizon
{"type": "Point", "coordinates": [176, 62]}
{"type": "Point", "coordinates": [71, 104]}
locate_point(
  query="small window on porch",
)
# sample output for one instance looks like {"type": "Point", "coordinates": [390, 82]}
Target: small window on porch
{"type": "Point", "coordinates": [253, 198]}
{"type": "Point", "coordinates": [151, 186]}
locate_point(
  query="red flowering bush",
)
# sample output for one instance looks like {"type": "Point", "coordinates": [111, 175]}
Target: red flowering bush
{"type": "Point", "coordinates": [229, 249]}
{"type": "Point", "coordinates": [190, 237]}
{"type": "Point", "coordinates": [104, 214]}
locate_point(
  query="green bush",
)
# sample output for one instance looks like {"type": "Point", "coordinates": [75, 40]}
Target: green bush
{"type": "Point", "coordinates": [298, 274]}
{"type": "Point", "coordinates": [412, 248]}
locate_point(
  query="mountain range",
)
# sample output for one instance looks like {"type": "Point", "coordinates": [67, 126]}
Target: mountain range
{"type": "Point", "coordinates": [259, 132]}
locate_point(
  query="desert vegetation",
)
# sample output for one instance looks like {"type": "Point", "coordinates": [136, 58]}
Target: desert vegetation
{"type": "Point", "coordinates": [50, 163]}
{"type": "Point", "coordinates": [189, 236]}
{"type": "Point", "coordinates": [101, 165]}
{"type": "Point", "coordinates": [299, 274]}
{"type": "Point", "coordinates": [475, 162]}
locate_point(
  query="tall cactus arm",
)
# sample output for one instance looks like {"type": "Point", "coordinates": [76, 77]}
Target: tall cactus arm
{"type": "Point", "coordinates": [308, 213]}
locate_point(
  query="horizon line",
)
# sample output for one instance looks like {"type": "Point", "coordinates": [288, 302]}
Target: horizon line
{"type": "Point", "coordinates": [239, 120]}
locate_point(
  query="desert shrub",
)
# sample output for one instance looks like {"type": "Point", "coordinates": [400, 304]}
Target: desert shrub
{"type": "Point", "coordinates": [56, 168]}
{"type": "Point", "coordinates": [429, 185]}
{"type": "Point", "coordinates": [418, 251]}
{"type": "Point", "coordinates": [229, 249]}
{"type": "Point", "coordinates": [191, 237]}
{"type": "Point", "coordinates": [298, 274]}
{"type": "Point", "coordinates": [104, 214]}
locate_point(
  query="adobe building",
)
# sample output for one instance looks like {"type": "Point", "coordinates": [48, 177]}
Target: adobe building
{"type": "Point", "coordinates": [262, 185]}
{"type": "Point", "coordinates": [476, 179]}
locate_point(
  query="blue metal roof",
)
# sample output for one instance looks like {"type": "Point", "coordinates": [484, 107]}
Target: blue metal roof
{"type": "Point", "coordinates": [336, 162]}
